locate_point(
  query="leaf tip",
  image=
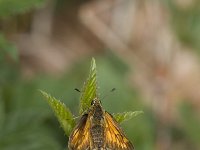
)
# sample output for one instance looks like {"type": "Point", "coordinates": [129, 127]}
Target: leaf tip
{"type": "Point", "coordinates": [42, 92]}
{"type": "Point", "coordinates": [93, 63]}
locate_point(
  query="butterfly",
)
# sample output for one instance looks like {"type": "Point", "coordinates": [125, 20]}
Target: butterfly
{"type": "Point", "coordinates": [98, 130]}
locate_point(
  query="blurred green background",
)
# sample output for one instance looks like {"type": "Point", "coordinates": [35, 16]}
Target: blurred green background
{"type": "Point", "coordinates": [148, 50]}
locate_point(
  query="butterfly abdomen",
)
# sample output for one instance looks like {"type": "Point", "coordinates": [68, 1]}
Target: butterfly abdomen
{"type": "Point", "coordinates": [97, 133]}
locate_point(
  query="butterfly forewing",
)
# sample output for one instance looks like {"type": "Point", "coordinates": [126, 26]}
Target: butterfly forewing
{"type": "Point", "coordinates": [114, 136]}
{"type": "Point", "coordinates": [80, 136]}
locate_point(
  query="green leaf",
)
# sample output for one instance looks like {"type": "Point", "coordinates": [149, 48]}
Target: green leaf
{"type": "Point", "coordinates": [121, 117]}
{"type": "Point", "coordinates": [89, 90]}
{"type": "Point", "coordinates": [62, 113]}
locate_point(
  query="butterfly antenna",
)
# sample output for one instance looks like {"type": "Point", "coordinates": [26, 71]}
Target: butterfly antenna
{"type": "Point", "coordinates": [112, 90]}
{"type": "Point", "coordinates": [77, 90]}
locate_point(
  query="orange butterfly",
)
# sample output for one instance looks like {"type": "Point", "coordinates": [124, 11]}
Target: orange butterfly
{"type": "Point", "coordinates": [98, 130]}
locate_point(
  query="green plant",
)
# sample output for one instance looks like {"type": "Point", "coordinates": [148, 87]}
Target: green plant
{"type": "Point", "coordinates": [88, 93]}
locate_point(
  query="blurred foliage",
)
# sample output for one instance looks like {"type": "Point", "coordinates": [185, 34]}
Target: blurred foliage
{"type": "Point", "coordinates": [8, 61]}
{"type": "Point", "coordinates": [14, 7]}
{"type": "Point", "coordinates": [185, 20]}
{"type": "Point", "coordinates": [190, 124]}
{"type": "Point", "coordinates": [7, 49]}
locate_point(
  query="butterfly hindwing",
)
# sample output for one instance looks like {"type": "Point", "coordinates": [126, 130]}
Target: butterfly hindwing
{"type": "Point", "coordinates": [80, 136]}
{"type": "Point", "coordinates": [114, 136]}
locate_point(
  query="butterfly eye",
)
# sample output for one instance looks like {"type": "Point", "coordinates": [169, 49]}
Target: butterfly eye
{"type": "Point", "coordinates": [92, 102]}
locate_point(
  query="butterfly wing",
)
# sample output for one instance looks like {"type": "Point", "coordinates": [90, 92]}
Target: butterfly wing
{"type": "Point", "coordinates": [80, 136]}
{"type": "Point", "coordinates": [114, 136]}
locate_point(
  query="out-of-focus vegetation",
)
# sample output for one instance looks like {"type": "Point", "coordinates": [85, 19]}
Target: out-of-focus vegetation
{"type": "Point", "coordinates": [186, 20]}
{"type": "Point", "coordinates": [13, 7]}
{"type": "Point", "coordinates": [27, 123]}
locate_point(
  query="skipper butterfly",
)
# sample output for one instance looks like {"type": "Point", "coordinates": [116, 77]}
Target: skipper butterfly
{"type": "Point", "coordinates": [98, 130]}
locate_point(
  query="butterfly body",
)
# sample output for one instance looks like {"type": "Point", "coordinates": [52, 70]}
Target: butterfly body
{"type": "Point", "coordinates": [98, 130]}
{"type": "Point", "coordinates": [96, 114]}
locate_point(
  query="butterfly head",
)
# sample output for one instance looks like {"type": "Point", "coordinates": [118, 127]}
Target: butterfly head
{"type": "Point", "coordinates": [96, 102]}
{"type": "Point", "coordinates": [96, 112]}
